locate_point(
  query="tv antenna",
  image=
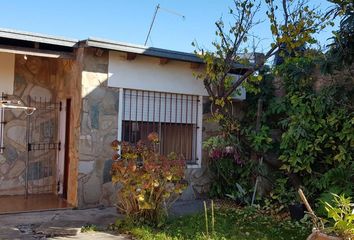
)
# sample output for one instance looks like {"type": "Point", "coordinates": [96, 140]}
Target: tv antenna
{"type": "Point", "coordinates": [158, 7]}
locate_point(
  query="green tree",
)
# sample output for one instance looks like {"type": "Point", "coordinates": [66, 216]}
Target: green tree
{"type": "Point", "coordinates": [292, 23]}
{"type": "Point", "coordinates": [342, 49]}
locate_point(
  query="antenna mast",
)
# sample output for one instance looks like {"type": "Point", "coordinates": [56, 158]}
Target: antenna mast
{"type": "Point", "coordinates": [154, 17]}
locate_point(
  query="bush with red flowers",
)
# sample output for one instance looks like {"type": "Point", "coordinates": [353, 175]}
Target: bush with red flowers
{"type": "Point", "coordinates": [151, 182]}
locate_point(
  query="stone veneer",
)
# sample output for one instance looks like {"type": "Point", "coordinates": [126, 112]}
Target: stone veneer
{"type": "Point", "coordinates": [52, 80]}
{"type": "Point", "coordinates": [99, 119]}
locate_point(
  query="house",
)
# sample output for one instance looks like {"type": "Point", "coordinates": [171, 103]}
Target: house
{"type": "Point", "coordinates": [86, 94]}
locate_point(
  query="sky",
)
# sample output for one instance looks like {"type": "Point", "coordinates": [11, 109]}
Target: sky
{"type": "Point", "coordinates": [129, 20]}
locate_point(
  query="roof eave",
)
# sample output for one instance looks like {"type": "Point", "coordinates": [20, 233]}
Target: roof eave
{"type": "Point", "coordinates": [143, 50]}
{"type": "Point", "coordinates": [149, 51]}
{"type": "Point", "coordinates": [34, 37]}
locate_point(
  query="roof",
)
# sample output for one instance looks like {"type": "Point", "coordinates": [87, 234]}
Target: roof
{"type": "Point", "coordinates": [66, 44]}
{"type": "Point", "coordinates": [36, 37]}
{"type": "Point", "coordinates": [148, 51]}
{"type": "Point", "coordinates": [142, 50]}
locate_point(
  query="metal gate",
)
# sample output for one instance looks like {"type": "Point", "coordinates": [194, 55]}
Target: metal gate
{"type": "Point", "coordinates": [42, 146]}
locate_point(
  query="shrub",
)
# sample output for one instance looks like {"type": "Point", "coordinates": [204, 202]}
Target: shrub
{"type": "Point", "coordinates": [231, 173]}
{"type": "Point", "coordinates": [341, 215]}
{"type": "Point", "coordinates": [150, 181]}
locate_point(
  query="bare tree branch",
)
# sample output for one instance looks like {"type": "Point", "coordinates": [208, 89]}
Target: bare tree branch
{"type": "Point", "coordinates": [206, 82]}
{"type": "Point", "coordinates": [249, 72]}
{"type": "Point", "coordinates": [286, 15]}
{"type": "Point", "coordinates": [224, 40]}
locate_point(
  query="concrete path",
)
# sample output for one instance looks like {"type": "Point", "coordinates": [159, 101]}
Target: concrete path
{"type": "Point", "coordinates": [67, 224]}
{"type": "Point", "coordinates": [61, 224]}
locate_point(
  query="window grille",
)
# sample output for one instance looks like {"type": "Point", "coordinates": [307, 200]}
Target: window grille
{"type": "Point", "coordinates": [173, 116]}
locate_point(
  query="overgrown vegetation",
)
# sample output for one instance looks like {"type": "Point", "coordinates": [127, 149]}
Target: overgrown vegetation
{"type": "Point", "coordinates": [315, 142]}
{"type": "Point", "coordinates": [230, 223]}
{"type": "Point", "coordinates": [302, 132]}
{"type": "Point", "coordinates": [318, 139]}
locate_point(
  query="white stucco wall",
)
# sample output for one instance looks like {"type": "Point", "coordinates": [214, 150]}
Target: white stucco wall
{"type": "Point", "coordinates": [7, 72]}
{"type": "Point", "coordinates": [145, 73]}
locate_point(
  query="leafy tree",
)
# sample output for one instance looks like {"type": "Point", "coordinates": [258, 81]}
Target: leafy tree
{"type": "Point", "coordinates": [292, 23]}
{"type": "Point", "coordinates": [342, 48]}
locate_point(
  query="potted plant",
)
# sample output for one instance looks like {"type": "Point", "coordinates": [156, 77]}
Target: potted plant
{"type": "Point", "coordinates": [339, 225]}
{"type": "Point", "coordinates": [286, 196]}
{"type": "Point", "coordinates": [296, 210]}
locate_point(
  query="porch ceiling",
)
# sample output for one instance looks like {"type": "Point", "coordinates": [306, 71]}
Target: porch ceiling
{"type": "Point", "coordinates": [34, 44]}
{"type": "Point", "coordinates": [36, 52]}
{"type": "Point", "coordinates": [36, 37]}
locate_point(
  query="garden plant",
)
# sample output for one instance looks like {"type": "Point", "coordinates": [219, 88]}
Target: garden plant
{"type": "Point", "coordinates": [150, 182]}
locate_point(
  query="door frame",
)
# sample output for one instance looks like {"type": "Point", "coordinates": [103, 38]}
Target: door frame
{"type": "Point", "coordinates": [66, 149]}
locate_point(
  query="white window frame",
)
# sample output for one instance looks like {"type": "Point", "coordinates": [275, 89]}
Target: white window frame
{"type": "Point", "coordinates": [198, 161]}
{"type": "Point", "coordinates": [2, 129]}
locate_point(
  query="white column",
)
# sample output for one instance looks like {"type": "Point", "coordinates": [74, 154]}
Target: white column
{"type": "Point", "coordinates": [61, 153]}
{"type": "Point", "coordinates": [120, 114]}
{"type": "Point", "coordinates": [2, 119]}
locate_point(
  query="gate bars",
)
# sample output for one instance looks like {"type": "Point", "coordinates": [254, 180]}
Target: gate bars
{"type": "Point", "coordinates": [42, 146]}
{"type": "Point", "coordinates": [10, 102]}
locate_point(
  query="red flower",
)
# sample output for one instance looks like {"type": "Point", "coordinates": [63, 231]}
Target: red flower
{"type": "Point", "coordinates": [216, 154]}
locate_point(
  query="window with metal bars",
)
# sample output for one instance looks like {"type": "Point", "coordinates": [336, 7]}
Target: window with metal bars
{"type": "Point", "coordinates": [173, 116]}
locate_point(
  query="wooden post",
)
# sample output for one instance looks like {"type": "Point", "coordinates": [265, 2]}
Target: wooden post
{"type": "Point", "coordinates": [304, 200]}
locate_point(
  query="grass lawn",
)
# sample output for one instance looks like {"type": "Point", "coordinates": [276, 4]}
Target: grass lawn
{"type": "Point", "coordinates": [231, 223]}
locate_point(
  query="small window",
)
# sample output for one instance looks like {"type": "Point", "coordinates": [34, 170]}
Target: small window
{"type": "Point", "coordinates": [173, 116]}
